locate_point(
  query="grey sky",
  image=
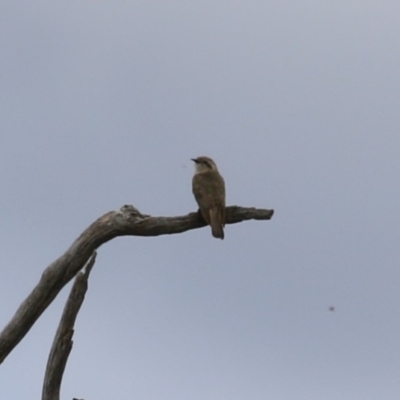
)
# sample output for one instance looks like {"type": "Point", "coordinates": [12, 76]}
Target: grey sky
{"type": "Point", "coordinates": [104, 103]}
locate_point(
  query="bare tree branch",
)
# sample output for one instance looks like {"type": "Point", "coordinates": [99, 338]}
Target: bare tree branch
{"type": "Point", "coordinates": [127, 221]}
{"type": "Point", "coordinates": [62, 343]}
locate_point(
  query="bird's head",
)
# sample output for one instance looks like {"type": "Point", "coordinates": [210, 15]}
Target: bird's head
{"type": "Point", "coordinates": [204, 164]}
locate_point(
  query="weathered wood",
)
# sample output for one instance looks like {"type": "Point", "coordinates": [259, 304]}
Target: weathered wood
{"type": "Point", "coordinates": [127, 221]}
{"type": "Point", "coordinates": [62, 343]}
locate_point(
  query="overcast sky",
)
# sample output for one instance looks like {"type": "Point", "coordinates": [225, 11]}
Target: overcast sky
{"type": "Point", "coordinates": [104, 103]}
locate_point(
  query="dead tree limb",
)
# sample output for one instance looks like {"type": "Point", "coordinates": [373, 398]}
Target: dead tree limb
{"type": "Point", "coordinates": [127, 221]}
{"type": "Point", "coordinates": [62, 343]}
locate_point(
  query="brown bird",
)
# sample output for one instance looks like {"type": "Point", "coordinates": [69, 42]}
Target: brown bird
{"type": "Point", "coordinates": [209, 192]}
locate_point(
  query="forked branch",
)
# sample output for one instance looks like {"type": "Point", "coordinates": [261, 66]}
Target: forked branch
{"type": "Point", "coordinates": [127, 221]}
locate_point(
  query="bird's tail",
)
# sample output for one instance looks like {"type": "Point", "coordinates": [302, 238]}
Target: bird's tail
{"type": "Point", "coordinates": [217, 222]}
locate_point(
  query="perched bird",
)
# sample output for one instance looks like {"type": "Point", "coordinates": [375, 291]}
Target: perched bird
{"type": "Point", "coordinates": [209, 192]}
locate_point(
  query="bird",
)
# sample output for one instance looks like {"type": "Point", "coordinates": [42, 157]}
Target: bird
{"type": "Point", "coordinates": [209, 191]}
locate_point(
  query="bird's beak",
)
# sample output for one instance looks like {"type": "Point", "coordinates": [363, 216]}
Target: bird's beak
{"type": "Point", "coordinates": [195, 160]}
